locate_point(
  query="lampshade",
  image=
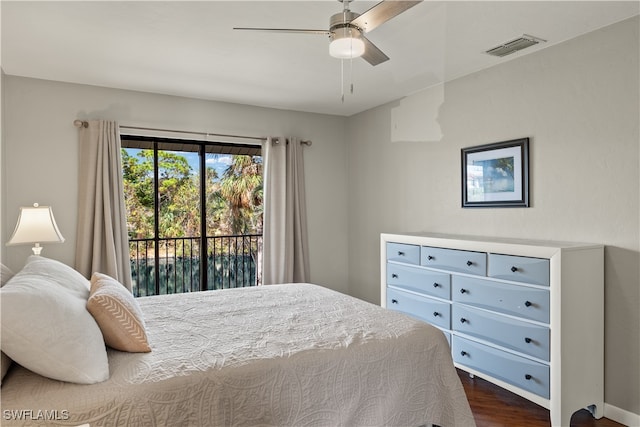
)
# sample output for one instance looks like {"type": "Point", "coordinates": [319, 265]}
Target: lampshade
{"type": "Point", "coordinates": [35, 225]}
{"type": "Point", "coordinates": [346, 43]}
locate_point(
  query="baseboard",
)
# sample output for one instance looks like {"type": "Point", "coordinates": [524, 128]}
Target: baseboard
{"type": "Point", "coordinates": [621, 416]}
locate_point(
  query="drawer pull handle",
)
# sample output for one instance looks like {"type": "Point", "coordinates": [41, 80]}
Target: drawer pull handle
{"type": "Point", "coordinates": [436, 314]}
{"type": "Point", "coordinates": [527, 340]}
{"type": "Point", "coordinates": [400, 253]}
{"type": "Point", "coordinates": [394, 276]}
{"type": "Point", "coordinates": [528, 303]}
{"type": "Point", "coordinates": [514, 269]}
{"type": "Point", "coordinates": [527, 377]}
{"type": "Point", "coordinates": [463, 353]}
{"type": "Point", "coordinates": [394, 301]}
{"type": "Point", "coordinates": [469, 263]}
{"type": "Point", "coordinates": [435, 285]}
{"type": "Point", "coordinates": [463, 291]}
{"type": "Point", "coordinates": [463, 320]}
{"type": "Point", "coordinates": [429, 257]}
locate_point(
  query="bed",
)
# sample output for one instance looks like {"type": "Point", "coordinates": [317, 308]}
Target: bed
{"type": "Point", "coordinates": [278, 355]}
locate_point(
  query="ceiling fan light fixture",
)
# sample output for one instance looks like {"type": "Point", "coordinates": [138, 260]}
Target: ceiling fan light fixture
{"type": "Point", "coordinates": [346, 44]}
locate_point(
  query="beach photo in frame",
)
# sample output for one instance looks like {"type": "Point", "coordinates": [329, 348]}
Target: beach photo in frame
{"type": "Point", "coordinates": [496, 175]}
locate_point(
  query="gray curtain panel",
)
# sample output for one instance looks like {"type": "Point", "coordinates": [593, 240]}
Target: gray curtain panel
{"type": "Point", "coordinates": [102, 243]}
{"type": "Point", "coordinates": [285, 256]}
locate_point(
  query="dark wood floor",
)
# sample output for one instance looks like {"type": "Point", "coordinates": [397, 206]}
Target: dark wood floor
{"type": "Point", "coordinates": [493, 406]}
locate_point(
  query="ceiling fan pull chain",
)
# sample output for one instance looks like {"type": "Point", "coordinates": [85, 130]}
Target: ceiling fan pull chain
{"type": "Point", "coordinates": [351, 74]}
{"type": "Point", "coordinates": [342, 79]}
{"type": "Point", "coordinates": [351, 64]}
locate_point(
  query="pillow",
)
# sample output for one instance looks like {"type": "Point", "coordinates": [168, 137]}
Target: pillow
{"type": "Point", "coordinates": [5, 364]}
{"type": "Point", "coordinates": [59, 273]}
{"type": "Point", "coordinates": [5, 361]}
{"type": "Point", "coordinates": [5, 274]}
{"type": "Point", "coordinates": [46, 327]}
{"type": "Point", "coordinates": [118, 315]}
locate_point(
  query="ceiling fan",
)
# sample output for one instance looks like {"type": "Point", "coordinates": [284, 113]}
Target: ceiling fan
{"type": "Point", "coordinates": [346, 30]}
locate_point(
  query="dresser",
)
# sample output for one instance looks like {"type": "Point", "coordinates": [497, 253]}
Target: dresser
{"type": "Point", "coordinates": [523, 314]}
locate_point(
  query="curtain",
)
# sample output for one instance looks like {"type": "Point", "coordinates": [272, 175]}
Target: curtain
{"type": "Point", "coordinates": [285, 256]}
{"type": "Point", "coordinates": [102, 243]}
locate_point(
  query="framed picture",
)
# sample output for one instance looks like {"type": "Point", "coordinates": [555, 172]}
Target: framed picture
{"type": "Point", "coordinates": [496, 175]}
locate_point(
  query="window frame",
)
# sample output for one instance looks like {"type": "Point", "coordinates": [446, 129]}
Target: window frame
{"type": "Point", "coordinates": [178, 145]}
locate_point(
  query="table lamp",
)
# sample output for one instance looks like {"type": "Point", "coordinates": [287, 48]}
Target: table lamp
{"type": "Point", "coordinates": [36, 225]}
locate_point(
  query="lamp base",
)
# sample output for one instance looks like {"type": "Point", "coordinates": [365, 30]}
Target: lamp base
{"type": "Point", "coordinates": [37, 249]}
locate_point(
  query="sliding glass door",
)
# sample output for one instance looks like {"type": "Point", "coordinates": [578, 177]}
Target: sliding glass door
{"type": "Point", "coordinates": [194, 214]}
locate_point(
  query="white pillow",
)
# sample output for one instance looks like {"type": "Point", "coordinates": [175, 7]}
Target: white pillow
{"type": "Point", "coordinates": [5, 361]}
{"type": "Point", "coordinates": [59, 273]}
{"type": "Point", "coordinates": [46, 327]}
{"type": "Point", "coordinates": [5, 274]}
{"type": "Point", "coordinates": [5, 364]}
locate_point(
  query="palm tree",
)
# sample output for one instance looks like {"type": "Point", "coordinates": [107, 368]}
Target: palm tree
{"type": "Point", "coordinates": [241, 189]}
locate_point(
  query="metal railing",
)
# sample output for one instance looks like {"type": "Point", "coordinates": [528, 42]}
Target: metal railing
{"type": "Point", "coordinates": [173, 265]}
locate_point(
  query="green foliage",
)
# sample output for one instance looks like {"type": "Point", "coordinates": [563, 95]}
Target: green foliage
{"type": "Point", "coordinates": [240, 189]}
{"type": "Point", "coordinates": [233, 201]}
{"type": "Point", "coordinates": [138, 193]}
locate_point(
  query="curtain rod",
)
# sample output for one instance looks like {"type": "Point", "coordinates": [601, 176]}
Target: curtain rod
{"type": "Point", "coordinates": [85, 124]}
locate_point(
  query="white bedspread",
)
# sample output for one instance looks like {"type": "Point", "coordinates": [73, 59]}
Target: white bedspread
{"type": "Point", "coordinates": [280, 355]}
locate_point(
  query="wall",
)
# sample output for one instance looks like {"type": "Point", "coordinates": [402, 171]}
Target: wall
{"type": "Point", "coordinates": [578, 102]}
{"type": "Point", "coordinates": [2, 180]}
{"type": "Point", "coordinates": [40, 157]}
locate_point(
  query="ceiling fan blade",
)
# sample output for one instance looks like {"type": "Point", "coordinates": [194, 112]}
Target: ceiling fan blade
{"type": "Point", "coordinates": [372, 54]}
{"type": "Point", "coordinates": [285, 30]}
{"type": "Point", "coordinates": [381, 13]}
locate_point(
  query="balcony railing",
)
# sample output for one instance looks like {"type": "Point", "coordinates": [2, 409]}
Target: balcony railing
{"type": "Point", "coordinates": [173, 265]}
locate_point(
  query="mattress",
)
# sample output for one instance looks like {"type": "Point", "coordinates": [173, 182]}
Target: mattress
{"type": "Point", "coordinates": [278, 355]}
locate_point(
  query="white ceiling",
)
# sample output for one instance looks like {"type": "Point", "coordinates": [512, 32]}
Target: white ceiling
{"type": "Point", "coordinates": [190, 49]}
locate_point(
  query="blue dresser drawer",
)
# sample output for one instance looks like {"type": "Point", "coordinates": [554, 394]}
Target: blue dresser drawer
{"type": "Point", "coordinates": [454, 260]}
{"type": "Point", "coordinates": [517, 335]}
{"type": "Point", "coordinates": [400, 252]}
{"type": "Point", "coordinates": [521, 301]}
{"type": "Point", "coordinates": [519, 371]}
{"type": "Point", "coordinates": [429, 310]}
{"type": "Point", "coordinates": [519, 269]}
{"type": "Point", "coordinates": [419, 280]}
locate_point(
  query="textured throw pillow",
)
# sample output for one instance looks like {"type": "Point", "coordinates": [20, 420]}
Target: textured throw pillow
{"type": "Point", "coordinates": [118, 314]}
{"type": "Point", "coordinates": [5, 361]}
{"type": "Point", "coordinates": [46, 327]}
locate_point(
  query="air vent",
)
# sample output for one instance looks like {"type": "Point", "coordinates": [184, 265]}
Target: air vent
{"type": "Point", "coordinates": [514, 45]}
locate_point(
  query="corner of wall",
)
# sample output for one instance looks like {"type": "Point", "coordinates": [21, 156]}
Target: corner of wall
{"type": "Point", "coordinates": [2, 168]}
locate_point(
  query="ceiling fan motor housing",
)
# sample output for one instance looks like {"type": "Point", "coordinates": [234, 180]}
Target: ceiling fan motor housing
{"type": "Point", "coordinates": [343, 20]}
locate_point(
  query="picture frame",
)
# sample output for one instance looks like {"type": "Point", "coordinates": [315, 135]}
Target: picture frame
{"type": "Point", "coordinates": [496, 175]}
